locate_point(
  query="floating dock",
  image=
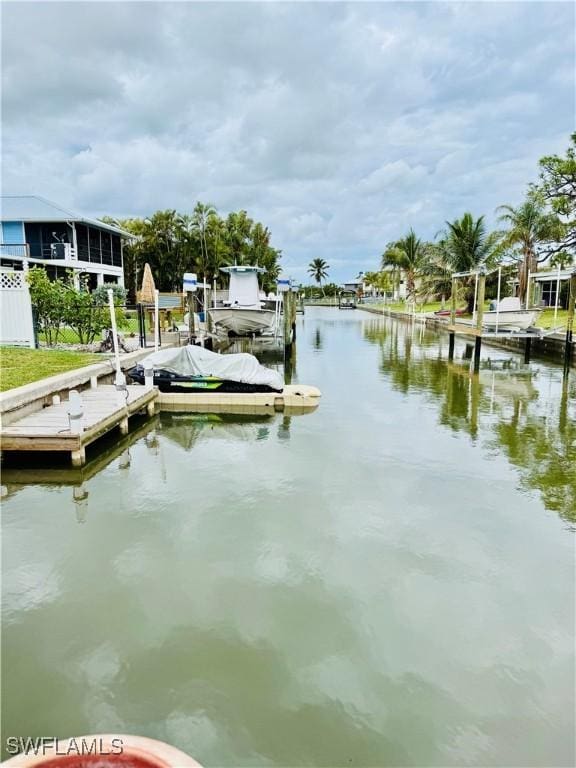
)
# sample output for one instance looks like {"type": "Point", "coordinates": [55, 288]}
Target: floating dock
{"type": "Point", "coordinates": [104, 408]}
{"type": "Point", "coordinates": [294, 398]}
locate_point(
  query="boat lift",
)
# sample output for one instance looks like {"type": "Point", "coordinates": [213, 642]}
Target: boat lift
{"type": "Point", "coordinates": [476, 330]}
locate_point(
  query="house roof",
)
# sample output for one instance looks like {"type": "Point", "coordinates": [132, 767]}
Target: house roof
{"type": "Point", "coordinates": [552, 274]}
{"type": "Point", "coordinates": [548, 275]}
{"type": "Point", "coordinates": [34, 208]}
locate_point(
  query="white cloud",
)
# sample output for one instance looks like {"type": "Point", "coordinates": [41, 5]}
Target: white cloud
{"type": "Point", "coordinates": [338, 125]}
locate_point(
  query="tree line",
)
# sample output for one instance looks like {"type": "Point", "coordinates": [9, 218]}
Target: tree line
{"type": "Point", "coordinates": [541, 230]}
{"type": "Point", "coordinates": [203, 241]}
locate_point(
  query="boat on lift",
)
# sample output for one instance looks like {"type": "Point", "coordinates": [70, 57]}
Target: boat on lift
{"type": "Point", "coordinates": [509, 316]}
{"type": "Point", "coordinates": [242, 314]}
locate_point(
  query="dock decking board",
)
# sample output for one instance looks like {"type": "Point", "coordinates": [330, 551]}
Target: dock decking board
{"type": "Point", "coordinates": [49, 429]}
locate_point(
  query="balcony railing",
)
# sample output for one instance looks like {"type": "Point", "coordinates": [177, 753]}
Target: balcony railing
{"type": "Point", "coordinates": [60, 252]}
{"type": "Point", "coordinates": [15, 250]}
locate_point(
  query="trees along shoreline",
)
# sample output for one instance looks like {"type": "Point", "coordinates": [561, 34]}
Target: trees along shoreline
{"type": "Point", "coordinates": [203, 241]}
{"type": "Point", "coordinates": [541, 230]}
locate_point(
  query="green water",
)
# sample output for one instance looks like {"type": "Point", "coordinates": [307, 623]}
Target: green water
{"type": "Point", "coordinates": [388, 581]}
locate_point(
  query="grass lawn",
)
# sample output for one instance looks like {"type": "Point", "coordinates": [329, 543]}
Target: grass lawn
{"type": "Point", "coordinates": [68, 336]}
{"type": "Point", "coordinates": [401, 306]}
{"type": "Point", "coordinates": [21, 366]}
{"type": "Point", "coordinates": [546, 319]}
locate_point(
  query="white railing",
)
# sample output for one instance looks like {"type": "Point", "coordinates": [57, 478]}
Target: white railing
{"type": "Point", "coordinates": [14, 250]}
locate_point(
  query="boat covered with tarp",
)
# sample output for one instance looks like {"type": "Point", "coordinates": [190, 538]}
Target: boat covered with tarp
{"type": "Point", "coordinates": [190, 368]}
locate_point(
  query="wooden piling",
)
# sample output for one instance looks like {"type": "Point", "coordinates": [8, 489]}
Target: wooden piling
{"type": "Point", "coordinates": [453, 301]}
{"type": "Point", "coordinates": [570, 323]}
{"type": "Point", "coordinates": [288, 300]}
{"type": "Point", "coordinates": [191, 307]}
{"type": "Point", "coordinates": [479, 318]}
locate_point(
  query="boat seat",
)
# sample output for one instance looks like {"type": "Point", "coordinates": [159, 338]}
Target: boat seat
{"type": "Point", "coordinates": [510, 304]}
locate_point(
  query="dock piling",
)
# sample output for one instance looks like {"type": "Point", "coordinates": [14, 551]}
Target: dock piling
{"type": "Point", "coordinates": [479, 318]}
{"type": "Point", "coordinates": [451, 338]}
{"type": "Point", "coordinates": [570, 323]}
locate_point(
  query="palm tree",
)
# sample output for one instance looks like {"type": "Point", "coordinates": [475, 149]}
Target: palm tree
{"type": "Point", "coordinates": [408, 255]}
{"type": "Point", "coordinates": [200, 220]}
{"type": "Point", "coordinates": [467, 247]}
{"type": "Point", "coordinates": [527, 225]}
{"type": "Point", "coordinates": [318, 269]}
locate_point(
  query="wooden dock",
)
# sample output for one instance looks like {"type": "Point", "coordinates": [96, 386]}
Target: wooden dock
{"type": "Point", "coordinates": [104, 408]}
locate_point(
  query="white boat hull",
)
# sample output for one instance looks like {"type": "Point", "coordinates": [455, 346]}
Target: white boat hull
{"type": "Point", "coordinates": [511, 320]}
{"type": "Point", "coordinates": [242, 322]}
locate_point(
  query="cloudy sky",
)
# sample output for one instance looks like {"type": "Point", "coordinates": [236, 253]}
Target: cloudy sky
{"type": "Point", "coordinates": [339, 125]}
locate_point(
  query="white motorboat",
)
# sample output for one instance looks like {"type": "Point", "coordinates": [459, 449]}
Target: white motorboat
{"type": "Point", "coordinates": [509, 316]}
{"type": "Point", "coordinates": [242, 314]}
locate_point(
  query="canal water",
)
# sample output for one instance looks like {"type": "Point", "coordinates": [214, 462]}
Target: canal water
{"type": "Point", "coordinates": [388, 581]}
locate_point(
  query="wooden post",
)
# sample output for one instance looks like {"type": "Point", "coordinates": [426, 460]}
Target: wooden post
{"type": "Point", "coordinates": [451, 337]}
{"type": "Point", "coordinates": [570, 323]}
{"type": "Point", "coordinates": [288, 318]}
{"type": "Point", "coordinates": [477, 348]}
{"type": "Point", "coordinates": [479, 318]}
{"type": "Point", "coordinates": [293, 315]}
{"type": "Point", "coordinates": [124, 426]}
{"type": "Point", "coordinates": [190, 301]}
{"type": "Point", "coordinates": [156, 320]}
{"type": "Point", "coordinates": [527, 350]}
{"type": "Point", "coordinates": [453, 301]}
{"type": "Point", "coordinates": [480, 304]}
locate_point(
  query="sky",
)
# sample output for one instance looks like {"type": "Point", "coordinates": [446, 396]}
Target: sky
{"type": "Point", "coordinates": [338, 125]}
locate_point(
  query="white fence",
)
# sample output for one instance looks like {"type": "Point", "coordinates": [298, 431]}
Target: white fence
{"type": "Point", "coordinates": [16, 324]}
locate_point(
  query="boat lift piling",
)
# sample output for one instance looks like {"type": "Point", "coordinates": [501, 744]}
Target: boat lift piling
{"type": "Point", "coordinates": [481, 276]}
{"type": "Point", "coordinates": [570, 323]}
{"type": "Point", "coordinates": [476, 330]}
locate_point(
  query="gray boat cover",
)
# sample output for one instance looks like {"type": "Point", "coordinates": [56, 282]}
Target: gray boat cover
{"type": "Point", "coordinates": [197, 361]}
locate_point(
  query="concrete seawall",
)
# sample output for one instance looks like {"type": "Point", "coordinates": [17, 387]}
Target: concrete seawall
{"type": "Point", "coordinates": [548, 347]}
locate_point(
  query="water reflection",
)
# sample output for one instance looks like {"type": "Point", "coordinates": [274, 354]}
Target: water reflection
{"type": "Point", "coordinates": [364, 585]}
{"type": "Point", "coordinates": [527, 411]}
{"type": "Point", "coordinates": [317, 340]}
{"type": "Point", "coordinates": [189, 429]}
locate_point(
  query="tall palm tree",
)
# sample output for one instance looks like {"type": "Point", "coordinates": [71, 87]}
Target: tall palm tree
{"type": "Point", "coordinates": [408, 255]}
{"type": "Point", "coordinates": [318, 269]}
{"type": "Point", "coordinates": [466, 246]}
{"type": "Point", "coordinates": [528, 225]}
{"type": "Point", "coordinates": [201, 218]}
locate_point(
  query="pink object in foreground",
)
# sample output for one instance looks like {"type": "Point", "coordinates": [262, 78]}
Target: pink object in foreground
{"type": "Point", "coordinates": [447, 312]}
{"type": "Point", "coordinates": [102, 751]}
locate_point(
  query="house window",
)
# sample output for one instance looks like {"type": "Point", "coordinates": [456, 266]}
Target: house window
{"type": "Point", "coordinates": [549, 293]}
